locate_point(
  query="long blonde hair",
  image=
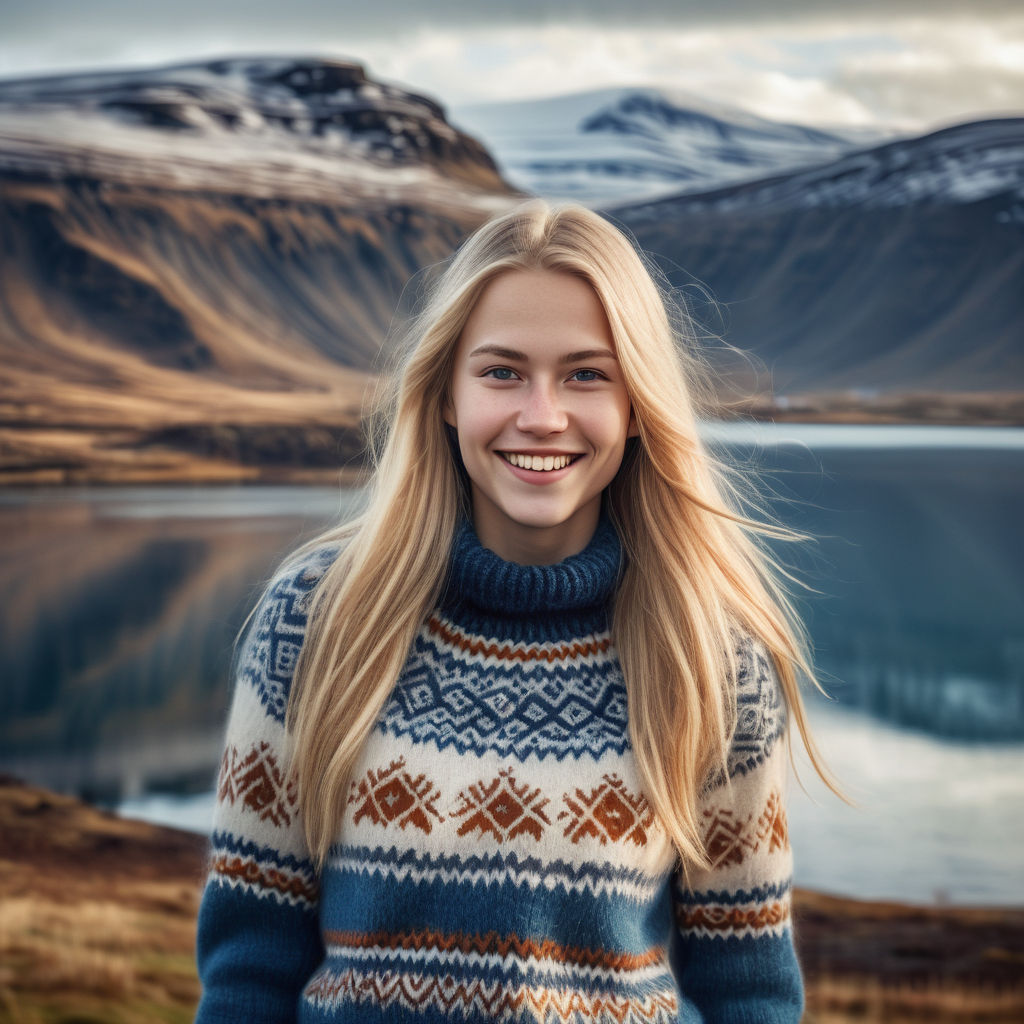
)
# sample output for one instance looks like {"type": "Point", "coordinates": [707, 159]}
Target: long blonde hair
{"type": "Point", "coordinates": [697, 569]}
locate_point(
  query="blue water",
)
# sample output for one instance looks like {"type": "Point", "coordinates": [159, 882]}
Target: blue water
{"type": "Point", "coordinates": [120, 607]}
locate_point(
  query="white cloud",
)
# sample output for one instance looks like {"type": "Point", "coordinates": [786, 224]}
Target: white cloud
{"type": "Point", "coordinates": [802, 99]}
{"type": "Point", "coordinates": [900, 70]}
{"type": "Point", "coordinates": [911, 75]}
{"type": "Point", "coordinates": [944, 72]}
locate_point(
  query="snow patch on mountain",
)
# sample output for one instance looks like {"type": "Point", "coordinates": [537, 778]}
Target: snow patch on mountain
{"type": "Point", "coordinates": [625, 144]}
{"type": "Point", "coordinates": [253, 125]}
{"type": "Point", "coordinates": [963, 164]}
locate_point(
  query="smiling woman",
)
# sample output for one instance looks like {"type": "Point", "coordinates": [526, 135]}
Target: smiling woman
{"type": "Point", "coordinates": [541, 412]}
{"type": "Point", "coordinates": [511, 745]}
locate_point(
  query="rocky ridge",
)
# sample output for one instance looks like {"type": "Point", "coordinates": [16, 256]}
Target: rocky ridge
{"type": "Point", "coordinates": [201, 263]}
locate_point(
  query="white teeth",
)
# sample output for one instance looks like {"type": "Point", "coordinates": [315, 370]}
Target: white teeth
{"type": "Point", "coordinates": [538, 463]}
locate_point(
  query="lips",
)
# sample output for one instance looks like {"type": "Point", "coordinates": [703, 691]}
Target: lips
{"type": "Point", "coordinates": [538, 463]}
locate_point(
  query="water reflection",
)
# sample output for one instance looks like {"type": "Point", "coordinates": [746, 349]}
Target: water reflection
{"type": "Point", "coordinates": [120, 613]}
{"type": "Point", "coordinates": [920, 616]}
{"type": "Point", "coordinates": [120, 609]}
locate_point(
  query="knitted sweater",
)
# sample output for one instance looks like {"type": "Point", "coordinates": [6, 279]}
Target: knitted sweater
{"type": "Point", "coordinates": [497, 859]}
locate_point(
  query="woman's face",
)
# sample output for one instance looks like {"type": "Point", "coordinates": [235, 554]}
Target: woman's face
{"type": "Point", "coordinates": [541, 412]}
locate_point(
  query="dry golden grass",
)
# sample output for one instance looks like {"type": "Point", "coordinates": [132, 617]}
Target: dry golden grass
{"type": "Point", "coordinates": [842, 1000]}
{"type": "Point", "coordinates": [896, 964]}
{"type": "Point", "coordinates": [81, 944]}
{"type": "Point", "coordinates": [96, 960]}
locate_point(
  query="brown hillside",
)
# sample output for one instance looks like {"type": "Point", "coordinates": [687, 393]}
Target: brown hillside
{"type": "Point", "coordinates": [195, 281]}
{"type": "Point", "coordinates": [97, 923]}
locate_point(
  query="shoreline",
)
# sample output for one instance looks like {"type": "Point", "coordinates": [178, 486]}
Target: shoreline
{"type": "Point", "coordinates": [34, 455]}
{"type": "Point", "coordinates": [79, 938]}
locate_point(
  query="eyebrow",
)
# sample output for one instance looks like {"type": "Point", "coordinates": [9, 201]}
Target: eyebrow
{"type": "Point", "coordinates": [514, 356]}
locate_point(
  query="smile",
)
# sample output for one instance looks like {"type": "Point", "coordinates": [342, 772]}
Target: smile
{"type": "Point", "coordinates": [538, 463]}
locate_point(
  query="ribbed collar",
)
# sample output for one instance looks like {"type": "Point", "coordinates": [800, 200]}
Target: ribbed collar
{"type": "Point", "coordinates": [479, 578]}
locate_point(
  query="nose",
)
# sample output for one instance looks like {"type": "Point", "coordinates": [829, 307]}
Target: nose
{"type": "Point", "coordinates": [542, 411]}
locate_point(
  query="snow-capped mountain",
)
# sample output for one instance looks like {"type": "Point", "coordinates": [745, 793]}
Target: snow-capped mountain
{"type": "Point", "coordinates": [896, 268]}
{"type": "Point", "coordinates": [277, 126]}
{"type": "Point", "coordinates": [962, 164]}
{"type": "Point", "coordinates": [838, 259]}
{"type": "Point", "coordinates": [199, 264]}
{"type": "Point", "coordinates": [620, 145]}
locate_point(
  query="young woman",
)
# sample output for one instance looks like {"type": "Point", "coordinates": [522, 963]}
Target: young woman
{"type": "Point", "coordinates": [510, 747]}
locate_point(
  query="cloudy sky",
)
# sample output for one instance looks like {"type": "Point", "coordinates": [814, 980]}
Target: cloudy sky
{"type": "Point", "coordinates": [903, 63]}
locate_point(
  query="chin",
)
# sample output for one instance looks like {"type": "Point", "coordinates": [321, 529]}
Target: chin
{"type": "Point", "coordinates": [537, 519]}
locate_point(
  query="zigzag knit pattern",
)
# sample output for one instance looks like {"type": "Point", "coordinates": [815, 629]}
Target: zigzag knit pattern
{"type": "Point", "coordinates": [497, 858]}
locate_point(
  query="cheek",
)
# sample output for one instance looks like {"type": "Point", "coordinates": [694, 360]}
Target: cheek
{"type": "Point", "coordinates": [478, 419]}
{"type": "Point", "coordinates": [611, 426]}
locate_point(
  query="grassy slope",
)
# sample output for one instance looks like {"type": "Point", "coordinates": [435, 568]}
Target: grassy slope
{"type": "Point", "coordinates": [97, 924]}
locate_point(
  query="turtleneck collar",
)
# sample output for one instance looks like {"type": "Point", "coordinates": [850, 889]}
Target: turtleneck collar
{"type": "Point", "coordinates": [482, 583]}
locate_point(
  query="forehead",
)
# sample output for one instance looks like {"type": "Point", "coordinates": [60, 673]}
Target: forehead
{"type": "Point", "coordinates": [542, 305]}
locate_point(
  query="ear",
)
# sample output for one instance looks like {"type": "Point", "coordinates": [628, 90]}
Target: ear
{"type": "Point", "coordinates": [448, 413]}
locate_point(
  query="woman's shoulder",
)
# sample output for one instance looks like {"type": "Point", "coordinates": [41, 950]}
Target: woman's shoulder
{"type": "Point", "coordinates": [277, 628]}
{"type": "Point", "coordinates": [284, 605]}
{"type": "Point", "coordinates": [303, 569]}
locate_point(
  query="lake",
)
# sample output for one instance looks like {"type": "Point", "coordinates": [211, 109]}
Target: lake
{"type": "Point", "coordinates": [121, 605]}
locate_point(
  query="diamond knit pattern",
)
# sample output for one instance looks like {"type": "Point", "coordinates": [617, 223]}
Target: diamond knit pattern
{"type": "Point", "coordinates": [513, 702]}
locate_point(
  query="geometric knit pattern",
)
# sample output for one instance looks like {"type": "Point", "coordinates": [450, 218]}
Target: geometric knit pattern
{"type": "Point", "coordinates": [278, 629]}
{"type": "Point", "coordinates": [523, 705]}
{"type": "Point", "coordinates": [497, 859]}
{"type": "Point", "coordinates": [760, 710]}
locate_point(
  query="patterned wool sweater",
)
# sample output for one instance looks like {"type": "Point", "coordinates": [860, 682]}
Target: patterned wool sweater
{"type": "Point", "coordinates": [497, 859]}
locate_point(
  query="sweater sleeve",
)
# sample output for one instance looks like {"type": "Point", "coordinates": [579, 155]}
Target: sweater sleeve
{"type": "Point", "coordinates": [258, 939]}
{"type": "Point", "coordinates": [733, 951]}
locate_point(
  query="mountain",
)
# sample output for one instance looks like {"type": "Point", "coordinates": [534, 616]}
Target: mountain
{"type": "Point", "coordinates": [862, 275]}
{"type": "Point", "coordinates": [199, 263]}
{"type": "Point", "coordinates": [335, 126]}
{"type": "Point", "coordinates": [893, 268]}
{"type": "Point", "coordinates": [626, 144]}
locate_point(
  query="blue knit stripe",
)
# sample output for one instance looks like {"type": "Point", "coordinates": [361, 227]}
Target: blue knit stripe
{"type": "Point", "coordinates": [483, 870]}
{"type": "Point", "coordinates": [612, 920]}
{"type": "Point", "coordinates": [748, 982]}
{"type": "Point", "coordinates": [759, 894]}
{"type": "Point", "coordinates": [239, 933]}
{"type": "Point", "coordinates": [262, 872]}
{"type": "Point", "coordinates": [230, 843]}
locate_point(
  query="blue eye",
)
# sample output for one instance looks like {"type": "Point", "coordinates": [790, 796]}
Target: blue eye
{"type": "Point", "coordinates": [586, 376]}
{"type": "Point", "coordinates": [501, 373]}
